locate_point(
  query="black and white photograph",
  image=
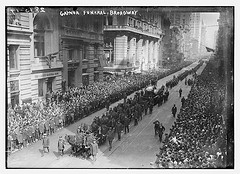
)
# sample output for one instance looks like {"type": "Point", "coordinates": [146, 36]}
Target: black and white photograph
{"type": "Point", "coordinates": [119, 87]}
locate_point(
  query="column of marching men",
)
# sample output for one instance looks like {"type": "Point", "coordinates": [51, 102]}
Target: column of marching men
{"type": "Point", "coordinates": [27, 123]}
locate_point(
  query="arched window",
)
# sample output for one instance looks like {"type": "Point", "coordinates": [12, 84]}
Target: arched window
{"type": "Point", "coordinates": [41, 25]}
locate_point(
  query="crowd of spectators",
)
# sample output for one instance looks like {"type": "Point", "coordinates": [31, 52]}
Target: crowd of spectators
{"type": "Point", "coordinates": [26, 123]}
{"type": "Point", "coordinates": [198, 137]}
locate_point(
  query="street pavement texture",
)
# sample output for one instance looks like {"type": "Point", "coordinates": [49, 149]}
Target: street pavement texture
{"type": "Point", "coordinates": [135, 150]}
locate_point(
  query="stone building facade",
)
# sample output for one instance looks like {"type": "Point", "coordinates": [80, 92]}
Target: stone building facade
{"type": "Point", "coordinates": [134, 40]}
{"type": "Point", "coordinates": [44, 49]}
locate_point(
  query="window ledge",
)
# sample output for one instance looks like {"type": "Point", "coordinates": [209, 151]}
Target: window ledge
{"type": "Point", "coordinates": [14, 71]}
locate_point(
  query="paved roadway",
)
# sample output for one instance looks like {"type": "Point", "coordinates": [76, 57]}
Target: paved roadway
{"type": "Point", "coordinates": [136, 149]}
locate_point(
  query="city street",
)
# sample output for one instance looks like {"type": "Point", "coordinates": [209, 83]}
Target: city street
{"type": "Point", "coordinates": [136, 149]}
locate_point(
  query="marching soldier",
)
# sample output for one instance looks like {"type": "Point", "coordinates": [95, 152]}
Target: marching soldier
{"type": "Point", "coordinates": [135, 115]}
{"type": "Point", "coordinates": [119, 130]}
{"type": "Point", "coordinates": [146, 107]}
{"type": "Point", "coordinates": [166, 94]}
{"type": "Point", "coordinates": [110, 137]}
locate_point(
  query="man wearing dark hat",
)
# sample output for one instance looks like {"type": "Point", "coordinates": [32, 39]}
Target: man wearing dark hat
{"type": "Point", "coordinates": [156, 126]}
{"type": "Point", "coordinates": [45, 142]}
{"type": "Point", "coordinates": [174, 110]}
{"type": "Point", "coordinates": [180, 92]}
{"type": "Point", "coordinates": [161, 131]}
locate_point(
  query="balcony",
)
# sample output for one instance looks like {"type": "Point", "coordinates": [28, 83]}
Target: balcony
{"type": "Point", "coordinates": [138, 30]}
{"type": "Point", "coordinates": [78, 33]}
{"type": "Point", "coordinates": [40, 63]}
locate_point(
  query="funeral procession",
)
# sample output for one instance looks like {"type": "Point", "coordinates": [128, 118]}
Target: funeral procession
{"type": "Point", "coordinates": [119, 87]}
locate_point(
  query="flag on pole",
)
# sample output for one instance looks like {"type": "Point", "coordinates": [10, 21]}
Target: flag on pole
{"type": "Point", "coordinates": [210, 49]}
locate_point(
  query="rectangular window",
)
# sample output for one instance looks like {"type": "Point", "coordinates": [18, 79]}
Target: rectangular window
{"type": "Point", "coordinates": [39, 44]}
{"type": "Point", "coordinates": [96, 77]}
{"type": "Point", "coordinates": [84, 52]}
{"type": "Point", "coordinates": [84, 71]}
{"type": "Point", "coordinates": [13, 17]}
{"type": "Point", "coordinates": [95, 26]}
{"type": "Point", "coordinates": [14, 86]}
{"type": "Point", "coordinates": [49, 84]}
{"type": "Point", "coordinates": [14, 99]}
{"type": "Point", "coordinates": [13, 56]}
{"type": "Point", "coordinates": [40, 87]}
{"type": "Point", "coordinates": [71, 54]}
{"type": "Point", "coordinates": [85, 80]}
{"type": "Point", "coordinates": [95, 51]}
{"type": "Point", "coordinates": [110, 20]}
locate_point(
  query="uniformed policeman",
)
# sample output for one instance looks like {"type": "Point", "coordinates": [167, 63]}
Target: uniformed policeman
{"type": "Point", "coordinates": [45, 143]}
{"type": "Point", "coordinates": [61, 146]}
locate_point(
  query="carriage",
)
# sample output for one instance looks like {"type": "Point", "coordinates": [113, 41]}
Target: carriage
{"type": "Point", "coordinates": [153, 92]}
{"type": "Point", "coordinates": [81, 144]}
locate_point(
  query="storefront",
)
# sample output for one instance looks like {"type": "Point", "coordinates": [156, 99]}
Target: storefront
{"type": "Point", "coordinates": [45, 83]}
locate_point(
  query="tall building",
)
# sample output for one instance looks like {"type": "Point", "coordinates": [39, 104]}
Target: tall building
{"type": "Point", "coordinates": [133, 41]}
{"type": "Point", "coordinates": [195, 33]}
{"type": "Point", "coordinates": [203, 38]}
{"type": "Point", "coordinates": [182, 22]}
{"type": "Point", "coordinates": [46, 49]}
{"type": "Point", "coordinates": [215, 39]}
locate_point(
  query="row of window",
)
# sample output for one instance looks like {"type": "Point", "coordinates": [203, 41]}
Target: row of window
{"type": "Point", "coordinates": [83, 24]}
{"type": "Point", "coordinates": [141, 25]}
{"type": "Point", "coordinates": [74, 52]}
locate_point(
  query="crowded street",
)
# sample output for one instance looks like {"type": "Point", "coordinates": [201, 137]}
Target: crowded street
{"type": "Point", "coordinates": [136, 149]}
{"type": "Point", "coordinates": [119, 87]}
